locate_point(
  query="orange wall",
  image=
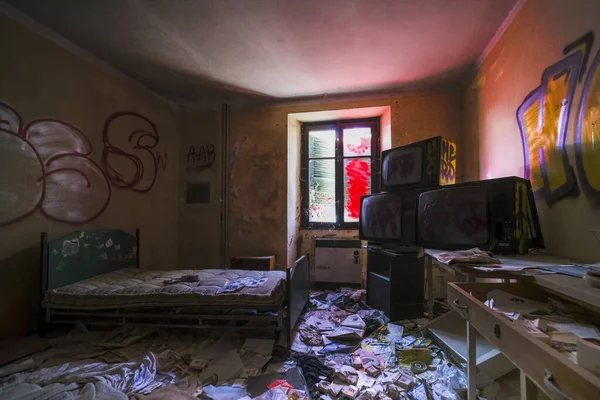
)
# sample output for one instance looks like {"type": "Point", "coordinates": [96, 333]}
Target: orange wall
{"type": "Point", "coordinates": [535, 42]}
{"type": "Point", "coordinates": [42, 80]}
{"type": "Point", "coordinates": [258, 209]}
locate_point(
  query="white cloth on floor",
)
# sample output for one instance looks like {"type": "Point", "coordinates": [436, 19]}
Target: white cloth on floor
{"type": "Point", "coordinates": [107, 381]}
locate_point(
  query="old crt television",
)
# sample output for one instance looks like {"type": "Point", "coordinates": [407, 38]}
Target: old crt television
{"type": "Point", "coordinates": [428, 163]}
{"type": "Point", "coordinates": [498, 215]}
{"type": "Point", "coordinates": [389, 219]}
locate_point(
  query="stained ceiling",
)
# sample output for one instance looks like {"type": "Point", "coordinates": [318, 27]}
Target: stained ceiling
{"type": "Point", "coordinates": [198, 50]}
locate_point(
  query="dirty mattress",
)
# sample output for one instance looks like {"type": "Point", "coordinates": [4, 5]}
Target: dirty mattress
{"type": "Point", "coordinates": [134, 287]}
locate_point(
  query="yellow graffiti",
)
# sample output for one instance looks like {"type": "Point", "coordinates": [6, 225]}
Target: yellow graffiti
{"type": "Point", "coordinates": [590, 133]}
{"type": "Point", "coordinates": [554, 113]}
{"type": "Point", "coordinates": [535, 140]}
{"type": "Point", "coordinates": [447, 163]}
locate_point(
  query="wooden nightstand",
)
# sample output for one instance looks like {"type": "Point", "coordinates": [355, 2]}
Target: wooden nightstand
{"type": "Point", "coordinates": [264, 263]}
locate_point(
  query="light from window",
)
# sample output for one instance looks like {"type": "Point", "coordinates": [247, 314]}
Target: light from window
{"type": "Point", "coordinates": [338, 161]}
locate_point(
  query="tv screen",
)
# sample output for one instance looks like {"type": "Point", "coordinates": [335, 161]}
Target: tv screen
{"type": "Point", "coordinates": [454, 217]}
{"type": "Point", "coordinates": [380, 217]}
{"type": "Point", "coordinates": [402, 166]}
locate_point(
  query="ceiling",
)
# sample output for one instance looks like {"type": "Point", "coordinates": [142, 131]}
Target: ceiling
{"type": "Point", "coordinates": [199, 50]}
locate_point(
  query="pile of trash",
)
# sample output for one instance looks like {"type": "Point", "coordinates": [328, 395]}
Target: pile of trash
{"type": "Point", "coordinates": [559, 323]}
{"type": "Point", "coordinates": [341, 349]}
{"type": "Point", "coordinates": [347, 350]}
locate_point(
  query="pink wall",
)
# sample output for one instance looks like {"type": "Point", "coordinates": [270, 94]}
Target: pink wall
{"type": "Point", "coordinates": [537, 45]}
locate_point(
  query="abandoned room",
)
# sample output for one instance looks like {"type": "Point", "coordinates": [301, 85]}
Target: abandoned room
{"type": "Point", "coordinates": [299, 199]}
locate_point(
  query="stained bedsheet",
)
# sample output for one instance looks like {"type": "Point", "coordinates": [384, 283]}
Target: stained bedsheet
{"type": "Point", "coordinates": [134, 287]}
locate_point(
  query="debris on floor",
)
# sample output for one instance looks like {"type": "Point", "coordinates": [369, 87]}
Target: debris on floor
{"type": "Point", "coordinates": [558, 323]}
{"type": "Point", "coordinates": [341, 349]}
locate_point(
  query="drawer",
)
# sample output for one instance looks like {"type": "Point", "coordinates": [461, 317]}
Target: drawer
{"type": "Point", "coordinates": [530, 355]}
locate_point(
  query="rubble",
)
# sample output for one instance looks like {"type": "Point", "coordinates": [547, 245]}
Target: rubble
{"type": "Point", "coordinates": [370, 357]}
{"type": "Point", "coordinates": [341, 349]}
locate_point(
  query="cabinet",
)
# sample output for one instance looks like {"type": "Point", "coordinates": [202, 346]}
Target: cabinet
{"type": "Point", "coordinates": [266, 263]}
{"type": "Point", "coordinates": [395, 282]}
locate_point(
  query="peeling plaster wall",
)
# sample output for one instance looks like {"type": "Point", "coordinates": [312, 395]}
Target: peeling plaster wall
{"type": "Point", "coordinates": [258, 209]}
{"type": "Point", "coordinates": [40, 79]}
{"type": "Point", "coordinates": [199, 224]}
{"type": "Point", "coordinates": [534, 41]}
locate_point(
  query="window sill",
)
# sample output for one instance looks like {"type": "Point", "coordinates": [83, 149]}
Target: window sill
{"type": "Point", "coordinates": [328, 228]}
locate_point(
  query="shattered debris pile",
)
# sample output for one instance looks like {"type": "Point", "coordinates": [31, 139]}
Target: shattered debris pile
{"type": "Point", "coordinates": [342, 349]}
{"type": "Point", "coordinates": [348, 351]}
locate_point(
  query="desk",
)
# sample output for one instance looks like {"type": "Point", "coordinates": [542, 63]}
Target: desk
{"type": "Point", "coordinates": [468, 274]}
{"type": "Point", "coordinates": [540, 366]}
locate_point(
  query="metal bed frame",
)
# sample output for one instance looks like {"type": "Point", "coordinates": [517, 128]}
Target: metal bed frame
{"type": "Point", "coordinates": [56, 272]}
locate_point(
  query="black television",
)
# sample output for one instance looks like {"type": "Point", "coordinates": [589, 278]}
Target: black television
{"type": "Point", "coordinates": [427, 163]}
{"type": "Point", "coordinates": [389, 218]}
{"type": "Point", "coordinates": [498, 215]}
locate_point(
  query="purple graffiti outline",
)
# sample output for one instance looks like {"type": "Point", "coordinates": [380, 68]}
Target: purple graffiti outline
{"type": "Point", "coordinates": [39, 206]}
{"type": "Point", "coordinates": [570, 65]}
{"type": "Point", "coordinates": [579, 130]}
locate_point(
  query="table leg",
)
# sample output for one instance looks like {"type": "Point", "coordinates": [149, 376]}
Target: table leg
{"type": "Point", "coordinates": [528, 388]}
{"type": "Point", "coordinates": [471, 363]}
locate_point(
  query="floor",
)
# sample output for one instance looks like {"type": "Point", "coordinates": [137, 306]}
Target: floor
{"type": "Point", "coordinates": [341, 349]}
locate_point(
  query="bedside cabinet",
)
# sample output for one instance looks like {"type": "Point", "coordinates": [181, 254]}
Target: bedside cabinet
{"type": "Point", "coordinates": [264, 263]}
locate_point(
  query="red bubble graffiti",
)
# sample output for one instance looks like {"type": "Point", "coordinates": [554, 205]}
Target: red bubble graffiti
{"type": "Point", "coordinates": [126, 165]}
{"type": "Point", "coordinates": [49, 169]}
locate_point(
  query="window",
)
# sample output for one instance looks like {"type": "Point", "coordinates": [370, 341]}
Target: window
{"type": "Point", "coordinates": [340, 163]}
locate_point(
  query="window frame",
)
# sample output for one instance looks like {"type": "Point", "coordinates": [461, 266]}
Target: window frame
{"type": "Point", "coordinates": [338, 125]}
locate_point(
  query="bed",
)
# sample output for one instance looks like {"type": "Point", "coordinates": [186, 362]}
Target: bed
{"type": "Point", "coordinates": [94, 277]}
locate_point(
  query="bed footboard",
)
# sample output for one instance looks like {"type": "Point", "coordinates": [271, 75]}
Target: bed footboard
{"type": "Point", "coordinates": [298, 290]}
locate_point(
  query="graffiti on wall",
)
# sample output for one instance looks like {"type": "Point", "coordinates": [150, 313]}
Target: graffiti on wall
{"type": "Point", "coordinates": [543, 120]}
{"type": "Point", "coordinates": [48, 167]}
{"type": "Point", "coordinates": [448, 163]}
{"type": "Point", "coordinates": [200, 157]}
{"type": "Point", "coordinates": [129, 157]}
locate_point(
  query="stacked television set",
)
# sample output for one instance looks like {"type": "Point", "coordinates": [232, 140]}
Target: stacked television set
{"type": "Point", "coordinates": [421, 205]}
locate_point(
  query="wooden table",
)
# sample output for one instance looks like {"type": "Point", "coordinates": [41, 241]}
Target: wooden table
{"type": "Point", "coordinates": [468, 274]}
{"type": "Point", "coordinates": [572, 380]}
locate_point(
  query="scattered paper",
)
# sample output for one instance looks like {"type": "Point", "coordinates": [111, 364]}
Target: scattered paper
{"type": "Point", "coordinates": [259, 346]}
{"type": "Point", "coordinates": [321, 324]}
{"type": "Point", "coordinates": [353, 327]}
{"type": "Point", "coordinates": [225, 367]}
{"type": "Point", "coordinates": [475, 255]}
{"type": "Point", "coordinates": [504, 268]}
{"type": "Point", "coordinates": [117, 247]}
{"type": "Point", "coordinates": [394, 329]}
{"type": "Point", "coordinates": [238, 284]}
{"type": "Point", "coordinates": [580, 330]}
{"type": "Point", "coordinates": [103, 256]}
{"type": "Point", "coordinates": [109, 243]}
{"type": "Point", "coordinates": [510, 303]}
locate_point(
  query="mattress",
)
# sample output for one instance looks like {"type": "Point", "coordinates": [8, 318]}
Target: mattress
{"type": "Point", "coordinates": [134, 287]}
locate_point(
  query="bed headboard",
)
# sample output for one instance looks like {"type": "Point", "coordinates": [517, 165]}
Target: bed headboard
{"type": "Point", "coordinates": [86, 253]}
